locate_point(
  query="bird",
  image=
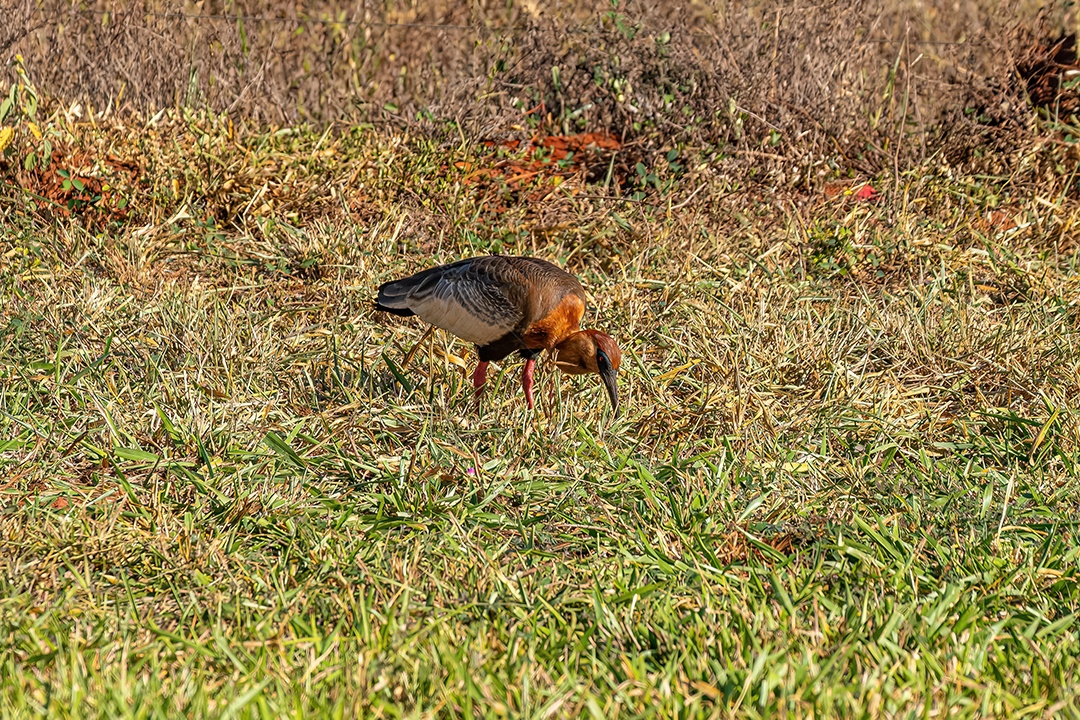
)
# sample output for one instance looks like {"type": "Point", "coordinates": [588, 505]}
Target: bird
{"type": "Point", "coordinates": [505, 304]}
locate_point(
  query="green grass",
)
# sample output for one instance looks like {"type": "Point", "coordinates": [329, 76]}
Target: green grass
{"type": "Point", "coordinates": [844, 482]}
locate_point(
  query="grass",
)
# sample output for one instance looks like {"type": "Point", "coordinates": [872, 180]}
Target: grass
{"type": "Point", "coordinates": [844, 482]}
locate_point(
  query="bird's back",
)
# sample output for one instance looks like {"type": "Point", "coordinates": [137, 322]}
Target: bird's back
{"type": "Point", "coordinates": [487, 299]}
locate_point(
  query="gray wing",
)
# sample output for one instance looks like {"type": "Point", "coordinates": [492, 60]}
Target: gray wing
{"type": "Point", "coordinates": [479, 300]}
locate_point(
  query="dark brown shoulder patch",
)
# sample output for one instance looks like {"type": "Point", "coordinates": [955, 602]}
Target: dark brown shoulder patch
{"type": "Point", "coordinates": [499, 349]}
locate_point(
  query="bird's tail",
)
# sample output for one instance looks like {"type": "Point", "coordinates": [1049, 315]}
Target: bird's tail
{"type": "Point", "coordinates": [394, 297]}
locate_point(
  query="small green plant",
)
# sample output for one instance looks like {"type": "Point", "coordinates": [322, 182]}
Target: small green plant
{"type": "Point", "coordinates": [621, 22]}
{"type": "Point", "coordinates": [19, 127]}
{"type": "Point", "coordinates": [662, 178]}
{"type": "Point", "coordinates": [830, 249]}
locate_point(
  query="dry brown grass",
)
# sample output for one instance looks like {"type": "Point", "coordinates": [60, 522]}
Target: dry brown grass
{"type": "Point", "coordinates": [834, 87]}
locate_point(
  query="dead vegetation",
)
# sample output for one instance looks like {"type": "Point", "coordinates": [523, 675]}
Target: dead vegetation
{"type": "Point", "coordinates": [798, 94]}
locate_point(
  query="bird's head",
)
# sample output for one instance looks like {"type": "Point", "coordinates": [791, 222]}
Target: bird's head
{"type": "Point", "coordinates": [591, 351]}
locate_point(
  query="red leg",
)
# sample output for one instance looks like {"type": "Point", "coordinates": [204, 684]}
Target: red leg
{"type": "Point", "coordinates": [527, 380]}
{"type": "Point", "coordinates": [479, 376]}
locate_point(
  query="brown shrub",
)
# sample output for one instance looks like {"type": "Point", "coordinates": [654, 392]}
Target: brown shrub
{"type": "Point", "coordinates": [841, 87]}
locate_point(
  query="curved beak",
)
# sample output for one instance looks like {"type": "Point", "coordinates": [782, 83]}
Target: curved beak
{"type": "Point", "coordinates": [607, 374]}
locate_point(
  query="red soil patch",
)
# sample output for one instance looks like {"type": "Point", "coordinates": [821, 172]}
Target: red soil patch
{"type": "Point", "coordinates": [529, 170]}
{"type": "Point", "coordinates": [78, 183]}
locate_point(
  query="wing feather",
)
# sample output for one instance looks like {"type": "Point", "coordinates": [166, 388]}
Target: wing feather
{"type": "Point", "coordinates": [472, 300]}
